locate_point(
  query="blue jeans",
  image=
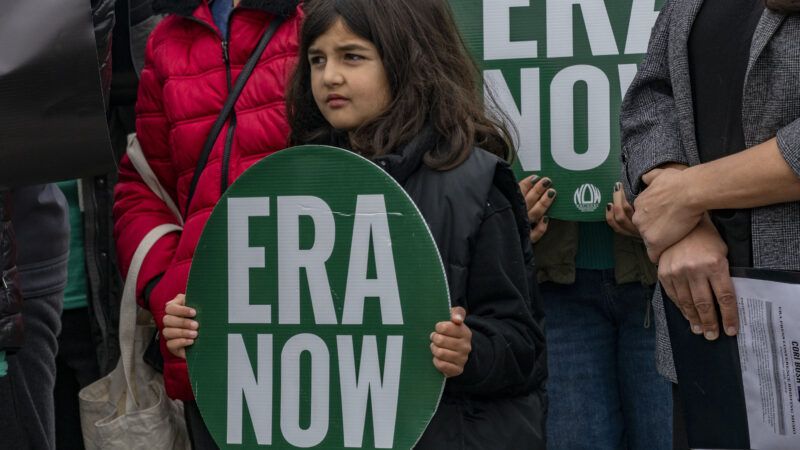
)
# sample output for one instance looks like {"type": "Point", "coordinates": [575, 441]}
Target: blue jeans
{"type": "Point", "coordinates": [604, 391]}
{"type": "Point", "coordinates": [27, 417]}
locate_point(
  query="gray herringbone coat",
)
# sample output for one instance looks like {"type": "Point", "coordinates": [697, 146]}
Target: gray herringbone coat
{"type": "Point", "coordinates": [657, 121]}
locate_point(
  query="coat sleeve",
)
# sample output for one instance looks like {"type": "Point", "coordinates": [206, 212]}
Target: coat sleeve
{"type": "Point", "coordinates": [11, 327]}
{"type": "Point", "coordinates": [650, 135]}
{"type": "Point", "coordinates": [789, 145]}
{"type": "Point", "coordinates": [506, 340]}
{"type": "Point", "coordinates": [137, 210]}
{"type": "Point", "coordinates": [103, 20]}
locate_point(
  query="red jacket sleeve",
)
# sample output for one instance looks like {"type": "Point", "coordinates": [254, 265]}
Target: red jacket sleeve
{"type": "Point", "coordinates": [137, 210]}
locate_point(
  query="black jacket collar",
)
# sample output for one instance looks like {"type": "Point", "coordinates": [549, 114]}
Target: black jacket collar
{"type": "Point", "coordinates": [281, 8]}
{"type": "Point", "coordinates": [402, 163]}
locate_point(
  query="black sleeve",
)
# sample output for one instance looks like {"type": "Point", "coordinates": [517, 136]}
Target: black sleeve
{"type": "Point", "coordinates": [103, 20]}
{"type": "Point", "coordinates": [505, 337]}
{"type": "Point", "coordinates": [11, 333]}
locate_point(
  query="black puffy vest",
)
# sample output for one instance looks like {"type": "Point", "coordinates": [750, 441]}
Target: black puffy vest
{"type": "Point", "coordinates": [453, 203]}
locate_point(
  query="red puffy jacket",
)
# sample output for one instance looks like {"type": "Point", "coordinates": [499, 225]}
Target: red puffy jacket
{"type": "Point", "coordinates": [183, 86]}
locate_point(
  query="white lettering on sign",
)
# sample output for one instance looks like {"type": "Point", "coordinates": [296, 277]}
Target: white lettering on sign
{"type": "Point", "coordinates": [525, 113]}
{"type": "Point", "coordinates": [290, 390]}
{"type": "Point", "coordinates": [371, 229]}
{"type": "Point", "coordinates": [291, 258]}
{"type": "Point", "coordinates": [497, 43]}
{"type": "Point", "coordinates": [242, 257]}
{"type": "Point", "coordinates": [563, 118]}
{"type": "Point", "coordinates": [357, 385]}
{"type": "Point", "coordinates": [369, 385]}
{"type": "Point", "coordinates": [643, 17]}
{"type": "Point", "coordinates": [559, 28]}
{"type": "Point", "coordinates": [526, 119]}
{"type": "Point", "coordinates": [256, 389]}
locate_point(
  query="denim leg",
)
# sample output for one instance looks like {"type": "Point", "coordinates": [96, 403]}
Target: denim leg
{"type": "Point", "coordinates": [26, 393]}
{"type": "Point", "coordinates": [646, 396]}
{"type": "Point", "coordinates": [585, 410]}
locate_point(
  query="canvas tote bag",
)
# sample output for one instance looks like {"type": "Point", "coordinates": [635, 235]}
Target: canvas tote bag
{"type": "Point", "coordinates": [129, 408]}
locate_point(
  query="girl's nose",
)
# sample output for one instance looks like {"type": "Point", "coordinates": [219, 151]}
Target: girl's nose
{"type": "Point", "coordinates": [332, 76]}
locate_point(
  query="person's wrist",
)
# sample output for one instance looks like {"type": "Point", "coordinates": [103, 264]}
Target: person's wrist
{"type": "Point", "coordinates": [692, 195]}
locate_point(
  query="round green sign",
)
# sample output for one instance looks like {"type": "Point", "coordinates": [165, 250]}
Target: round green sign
{"type": "Point", "coordinates": [317, 284]}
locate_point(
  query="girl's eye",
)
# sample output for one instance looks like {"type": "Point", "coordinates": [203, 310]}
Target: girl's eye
{"type": "Point", "coordinates": [316, 60]}
{"type": "Point", "coordinates": [353, 57]}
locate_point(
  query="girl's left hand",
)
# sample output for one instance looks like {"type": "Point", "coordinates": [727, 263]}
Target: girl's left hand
{"type": "Point", "coordinates": [451, 344]}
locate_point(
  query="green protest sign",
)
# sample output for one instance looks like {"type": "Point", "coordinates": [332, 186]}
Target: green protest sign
{"type": "Point", "coordinates": [559, 70]}
{"type": "Point", "coordinates": [317, 284]}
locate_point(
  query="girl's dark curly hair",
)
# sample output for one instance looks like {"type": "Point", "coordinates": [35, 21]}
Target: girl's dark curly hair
{"type": "Point", "coordinates": [432, 78]}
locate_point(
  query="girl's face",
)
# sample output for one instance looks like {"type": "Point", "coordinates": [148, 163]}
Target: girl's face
{"type": "Point", "coordinates": [348, 79]}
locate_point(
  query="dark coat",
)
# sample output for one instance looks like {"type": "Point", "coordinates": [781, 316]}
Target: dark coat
{"type": "Point", "coordinates": [46, 216]}
{"type": "Point", "coordinates": [103, 19]}
{"type": "Point", "coordinates": [10, 297]}
{"type": "Point", "coordinates": [478, 220]}
{"type": "Point", "coordinates": [133, 20]}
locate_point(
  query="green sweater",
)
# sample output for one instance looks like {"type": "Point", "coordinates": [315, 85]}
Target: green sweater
{"type": "Point", "coordinates": [557, 253]}
{"type": "Point", "coordinates": [595, 246]}
{"type": "Point", "coordinates": [3, 364]}
{"type": "Point", "coordinates": [75, 292]}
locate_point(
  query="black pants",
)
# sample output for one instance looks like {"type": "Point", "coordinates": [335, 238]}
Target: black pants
{"type": "Point", "coordinates": [76, 367]}
{"type": "Point", "coordinates": [679, 439]}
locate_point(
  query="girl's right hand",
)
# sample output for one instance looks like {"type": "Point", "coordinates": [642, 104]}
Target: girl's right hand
{"type": "Point", "coordinates": [179, 331]}
{"type": "Point", "coordinates": [451, 343]}
{"type": "Point", "coordinates": [538, 198]}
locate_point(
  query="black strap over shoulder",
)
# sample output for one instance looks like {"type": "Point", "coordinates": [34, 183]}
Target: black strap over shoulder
{"type": "Point", "coordinates": [237, 89]}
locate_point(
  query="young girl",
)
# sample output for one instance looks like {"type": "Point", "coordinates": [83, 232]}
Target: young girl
{"type": "Point", "coordinates": [395, 84]}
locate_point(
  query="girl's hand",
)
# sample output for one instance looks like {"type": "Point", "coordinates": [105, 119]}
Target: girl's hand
{"type": "Point", "coordinates": [619, 214]}
{"type": "Point", "coordinates": [451, 344]}
{"type": "Point", "coordinates": [179, 331]}
{"type": "Point", "coordinates": [538, 198]}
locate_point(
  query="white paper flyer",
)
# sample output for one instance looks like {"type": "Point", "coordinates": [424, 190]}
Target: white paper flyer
{"type": "Point", "coordinates": [769, 352]}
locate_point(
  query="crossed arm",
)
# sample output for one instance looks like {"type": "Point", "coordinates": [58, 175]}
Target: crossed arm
{"type": "Point", "coordinates": [671, 215]}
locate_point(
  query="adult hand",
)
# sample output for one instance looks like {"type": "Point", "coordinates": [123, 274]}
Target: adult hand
{"type": "Point", "coordinates": [451, 344]}
{"type": "Point", "coordinates": [179, 331]}
{"type": "Point", "coordinates": [663, 215]}
{"type": "Point", "coordinates": [620, 212]}
{"type": "Point", "coordinates": [538, 197]}
{"type": "Point", "coordinates": [694, 272]}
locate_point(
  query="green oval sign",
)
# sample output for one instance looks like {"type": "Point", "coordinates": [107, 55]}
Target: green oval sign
{"type": "Point", "coordinates": [317, 284]}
